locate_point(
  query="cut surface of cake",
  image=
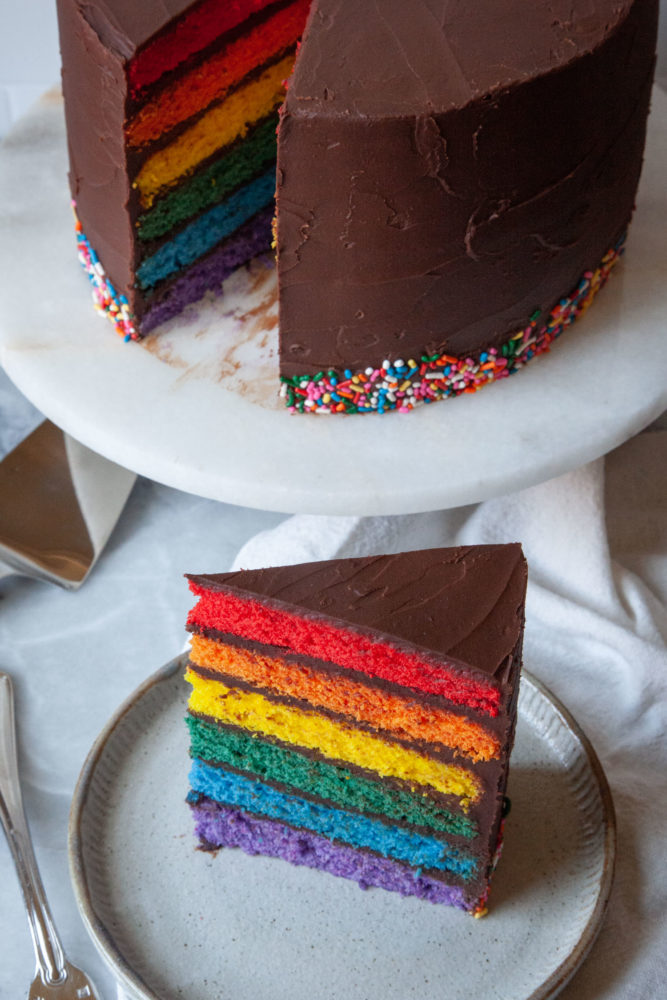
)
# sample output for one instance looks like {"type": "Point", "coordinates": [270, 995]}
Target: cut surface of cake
{"type": "Point", "coordinates": [171, 112]}
{"type": "Point", "coordinates": [357, 715]}
{"type": "Point", "coordinates": [454, 179]}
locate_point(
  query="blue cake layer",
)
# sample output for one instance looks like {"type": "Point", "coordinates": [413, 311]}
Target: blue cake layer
{"type": "Point", "coordinates": [220, 826]}
{"type": "Point", "coordinates": [359, 831]}
{"type": "Point", "coordinates": [207, 231]}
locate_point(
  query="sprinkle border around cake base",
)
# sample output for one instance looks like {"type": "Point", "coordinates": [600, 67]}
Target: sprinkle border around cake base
{"type": "Point", "coordinates": [402, 385]}
{"type": "Point", "coordinates": [106, 300]}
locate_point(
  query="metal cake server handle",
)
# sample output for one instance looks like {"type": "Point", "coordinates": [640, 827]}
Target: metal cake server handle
{"type": "Point", "coordinates": [55, 978]}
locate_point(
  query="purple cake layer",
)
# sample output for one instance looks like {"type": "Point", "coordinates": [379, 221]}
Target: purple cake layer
{"type": "Point", "coordinates": [219, 826]}
{"type": "Point", "coordinates": [250, 240]}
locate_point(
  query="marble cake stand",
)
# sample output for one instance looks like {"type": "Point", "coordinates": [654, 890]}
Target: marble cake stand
{"type": "Point", "coordinates": [196, 407]}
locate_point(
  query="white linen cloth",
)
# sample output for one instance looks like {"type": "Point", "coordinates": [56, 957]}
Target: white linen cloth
{"type": "Point", "coordinates": [596, 627]}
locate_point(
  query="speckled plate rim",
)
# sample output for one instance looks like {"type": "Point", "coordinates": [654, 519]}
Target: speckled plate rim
{"type": "Point", "coordinates": [136, 987]}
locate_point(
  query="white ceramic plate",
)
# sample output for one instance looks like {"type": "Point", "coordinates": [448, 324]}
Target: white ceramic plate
{"type": "Point", "coordinates": [196, 407]}
{"type": "Point", "coordinates": [174, 922]}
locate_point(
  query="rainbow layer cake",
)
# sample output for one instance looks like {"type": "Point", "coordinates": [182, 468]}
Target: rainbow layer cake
{"type": "Point", "coordinates": [453, 181]}
{"type": "Point", "coordinates": [357, 716]}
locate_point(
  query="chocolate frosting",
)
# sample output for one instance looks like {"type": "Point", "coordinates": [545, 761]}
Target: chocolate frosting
{"type": "Point", "coordinates": [427, 151]}
{"type": "Point", "coordinates": [462, 604]}
{"type": "Point", "coordinates": [448, 169]}
{"type": "Point", "coordinates": [95, 91]}
{"type": "Point", "coordinates": [432, 56]}
{"type": "Point", "coordinates": [125, 25]}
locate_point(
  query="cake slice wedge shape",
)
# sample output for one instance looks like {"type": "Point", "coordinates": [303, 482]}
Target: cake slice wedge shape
{"type": "Point", "coordinates": [357, 715]}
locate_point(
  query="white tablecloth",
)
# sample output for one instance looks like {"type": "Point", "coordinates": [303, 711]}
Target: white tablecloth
{"type": "Point", "coordinates": [596, 543]}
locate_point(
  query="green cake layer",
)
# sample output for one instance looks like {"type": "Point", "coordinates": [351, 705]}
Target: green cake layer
{"type": "Point", "coordinates": [331, 764]}
{"type": "Point", "coordinates": [213, 184]}
{"type": "Point", "coordinates": [222, 745]}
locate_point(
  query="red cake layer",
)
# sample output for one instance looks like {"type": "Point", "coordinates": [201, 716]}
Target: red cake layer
{"type": "Point", "coordinates": [333, 642]}
{"type": "Point", "coordinates": [203, 84]}
{"type": "Point", "coordinates": [200, 27]}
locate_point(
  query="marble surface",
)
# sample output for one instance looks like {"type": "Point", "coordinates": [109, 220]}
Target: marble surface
{"type": "Point", "coordinates": [203, 392]}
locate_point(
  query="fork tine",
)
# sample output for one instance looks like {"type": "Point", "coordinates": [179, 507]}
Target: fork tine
{"type": "Point", "coordinates": [75, 985]}
{"type": "Point", "coordinates": [56, 979]}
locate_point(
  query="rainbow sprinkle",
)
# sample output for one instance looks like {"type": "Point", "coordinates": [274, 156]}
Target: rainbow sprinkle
{"type": "Point", "coordinates": [403, 385]}
{"type": "Point", "coordinates": [107, 301]}
{"type": "Point", "coordinates": [399, 385]}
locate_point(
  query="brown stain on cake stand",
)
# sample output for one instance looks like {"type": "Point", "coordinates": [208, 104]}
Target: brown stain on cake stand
{"type": "Point", "coordinates": [248, 331]}
{"type": "Point", "coordinates": [163, 350]}
{"type": "Point", "coordinates": [263, 317]}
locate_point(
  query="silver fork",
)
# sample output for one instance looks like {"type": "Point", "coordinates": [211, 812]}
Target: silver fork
{"type": "Point", "coordinates": [55, 977]}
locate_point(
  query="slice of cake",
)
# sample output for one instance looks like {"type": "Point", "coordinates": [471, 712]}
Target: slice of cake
{"type": "Point", "coordinates": [357, 715]}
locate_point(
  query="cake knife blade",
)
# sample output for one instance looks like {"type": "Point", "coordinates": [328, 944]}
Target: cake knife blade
{"type": "Point", "coordinates": [59, 502]}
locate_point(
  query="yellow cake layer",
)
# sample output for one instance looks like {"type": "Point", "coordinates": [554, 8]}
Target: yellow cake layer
{"type": "Point", "coordinates": [403, 716]}
{"type": "Point", "coordinates": [218, 128]}
{"type": "Point", "coordinates": [336, 740]}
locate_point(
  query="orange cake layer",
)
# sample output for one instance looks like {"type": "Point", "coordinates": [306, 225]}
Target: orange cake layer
{"type": "Point", "coordinates": [404, 717]}
{"type": "Point", "coordinates": [219, 127]}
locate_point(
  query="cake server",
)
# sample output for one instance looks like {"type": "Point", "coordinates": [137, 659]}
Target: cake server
{"type": "Point", "coordinates": [59, 502]}
{"type": "Point", "coordinates": [55, 977]}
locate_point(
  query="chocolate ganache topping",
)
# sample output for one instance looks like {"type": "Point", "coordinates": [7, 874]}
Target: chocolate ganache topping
{"type": "Point", "coordinates": [463, 604]}
{"type": "Point", "coordinates": [448, 169]}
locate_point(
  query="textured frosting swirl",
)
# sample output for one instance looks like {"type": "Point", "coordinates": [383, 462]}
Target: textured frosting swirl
{"type": "Point", "coordinates": [436, 55]}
